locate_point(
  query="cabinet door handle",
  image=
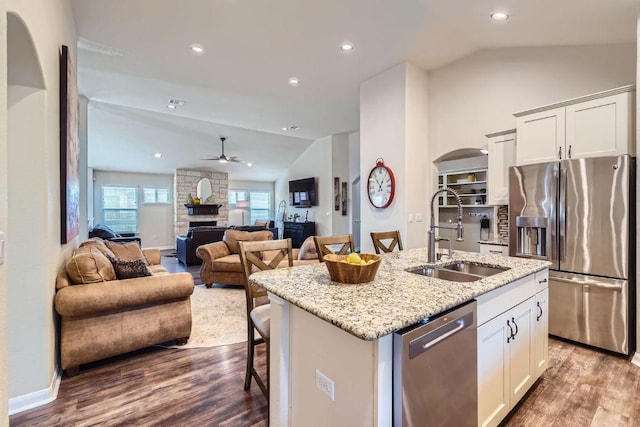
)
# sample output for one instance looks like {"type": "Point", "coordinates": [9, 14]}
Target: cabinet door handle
{"type": "Point", "coordinates": [569, 155]}
{"type": "Point", "coordinates": [539, 308]}
{"type": "Point", "coordinates": [516, 325]}
{"type": "Point", "coordinates": [560, 152]}
{"type": "Point", "coordinates": [511, 336]}
{"type": "Point", "coordinates": [495, 252]}
{"type": "Point", "coordinates": [542, 281]}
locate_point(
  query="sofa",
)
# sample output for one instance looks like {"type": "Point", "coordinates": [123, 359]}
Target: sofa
{"type": "Point", "coordinates": [221, 260]}
{"type": "Point", "coordinates": [113, 298]}
{"type": "Point", "coordinates": [196, 236]}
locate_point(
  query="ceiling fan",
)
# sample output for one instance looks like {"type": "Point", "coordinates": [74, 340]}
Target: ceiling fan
{"type": "Point", "coordinates": [224, 159]}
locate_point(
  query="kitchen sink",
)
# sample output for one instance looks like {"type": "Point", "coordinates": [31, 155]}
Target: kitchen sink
{"type": "Point", "coordinates": [440, 273]}
{"type": "Point", "coordinates": [473, 268]}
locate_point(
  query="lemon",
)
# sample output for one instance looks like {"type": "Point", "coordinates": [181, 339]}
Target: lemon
{"type": "Point", "coordinates": [363, 262]}
{"type": "Point", "coordinates": [345, 261]}
{"type": "Point", "coordinates": [370, 261]}
{"type": "Point", "coordinates": [353, 258]}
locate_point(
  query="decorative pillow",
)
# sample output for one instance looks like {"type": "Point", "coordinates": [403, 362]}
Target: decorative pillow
{"type": "Point", "coordinates": [308, 249]}
{"type": "Point", "coordinates": [130, 269]}
{"type": "Point", "coordinates": [89, 266]}
{"type": "Point", "coordinates": [128, 251]}
{"type": "Point", "coordinates": [232, 237]}
{"type": "Point", "coordinates": [96, 243]}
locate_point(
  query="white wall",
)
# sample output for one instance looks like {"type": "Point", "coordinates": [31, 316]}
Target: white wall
{"type": "Point", "coordinates": [50, 24]}
{"type": "Point", "coordinates": [314, 162]}
{"type": "Point", "coordinates": [393, 126]}
{"type": "Point", "coordinates": [155, 221]}
{"type": "Point", "coordinates": [341, 224]}
{"type": "Point", "coordinates": [479, 93]}
{"type": "Point", "coordinates": [4, 370]}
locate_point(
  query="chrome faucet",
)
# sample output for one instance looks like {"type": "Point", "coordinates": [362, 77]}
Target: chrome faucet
{"type": "Point", "coordinates": [431, 234]}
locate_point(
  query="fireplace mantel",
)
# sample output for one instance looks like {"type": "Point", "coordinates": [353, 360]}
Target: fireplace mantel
{"type": "Point", "coordinates": [202, 209]}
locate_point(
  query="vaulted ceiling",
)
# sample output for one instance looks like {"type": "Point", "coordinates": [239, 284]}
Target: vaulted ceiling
{"type": "Point", "coordinates": [135, 55]}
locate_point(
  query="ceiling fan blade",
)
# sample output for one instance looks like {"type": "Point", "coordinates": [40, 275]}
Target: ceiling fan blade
{"type": "Point", "coordinates": [212, 158]}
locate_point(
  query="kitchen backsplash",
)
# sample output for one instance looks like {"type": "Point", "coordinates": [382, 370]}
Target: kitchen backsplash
{"type": "Point", "coordinates": [503, 222]}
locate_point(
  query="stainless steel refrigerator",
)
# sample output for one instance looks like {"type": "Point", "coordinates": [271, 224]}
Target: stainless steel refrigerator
{"type": "Point", "coordinates": [580, 215]}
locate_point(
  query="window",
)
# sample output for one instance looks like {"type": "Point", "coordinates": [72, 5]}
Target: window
{"type": "Point", "coordinates": [155, 195]}
{"type": "Point", "coordinates": [120, 208]}
{"type": "Point", "coordinates": [260, 205]}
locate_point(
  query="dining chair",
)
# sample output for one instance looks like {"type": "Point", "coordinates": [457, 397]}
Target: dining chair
{"type": "Point", "coordinates": [258, 256]}
{"type": "Point", "coordinates": [380, 245]}
{"type": "Point", "coordinates": [324, 243]}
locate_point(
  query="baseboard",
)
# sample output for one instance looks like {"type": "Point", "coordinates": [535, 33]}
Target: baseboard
{"type": "Point", "coordinates": [636, 359]}
{"type": "Point", "coordinates": [36, 398]}
{"type": "Point", "coordinates": [160, 247]}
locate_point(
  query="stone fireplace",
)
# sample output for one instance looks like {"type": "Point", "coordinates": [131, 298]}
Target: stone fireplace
{"type": "Point", "coordinates": [185, 182]}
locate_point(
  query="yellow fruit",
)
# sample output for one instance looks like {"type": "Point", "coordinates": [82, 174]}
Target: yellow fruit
{"type": "Point", "coordinates": [345, 261]}
{"type": "Point", "coordinates": [370, 261]}
{"type": "Point", "coordinates": [353, 258]}
{"type": "Point", "coordinates": [363, 262]}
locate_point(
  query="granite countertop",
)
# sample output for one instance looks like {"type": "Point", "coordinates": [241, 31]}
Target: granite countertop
{"type": "Point", "coordinates": [498, 241]}
{"type": "Point", "coordinates": [395, 299]}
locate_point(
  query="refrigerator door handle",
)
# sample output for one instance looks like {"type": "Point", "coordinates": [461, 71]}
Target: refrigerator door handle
{"type": "Point", "coordinates": [612, 287]}
{"type": "Point", "coordinates": [562, 212]}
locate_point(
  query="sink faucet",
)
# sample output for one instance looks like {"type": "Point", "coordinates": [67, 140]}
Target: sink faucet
{"type": "Point", "coordinates": [431, 234]}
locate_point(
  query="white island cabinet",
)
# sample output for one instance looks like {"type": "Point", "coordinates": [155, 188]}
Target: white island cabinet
{"type": "Point", "coordinates": [332, 344]}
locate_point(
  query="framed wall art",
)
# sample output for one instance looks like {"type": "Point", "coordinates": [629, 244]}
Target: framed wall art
{"type": "Point", "coordinates": [344, 198]}
{"type": "Point", "coordinates": [336, 193]}
{"type": "Point", "coordinates": [69, 150]}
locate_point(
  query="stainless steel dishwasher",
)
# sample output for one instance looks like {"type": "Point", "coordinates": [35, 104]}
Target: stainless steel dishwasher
{"type": "Point", "coordinates": [435, 371]}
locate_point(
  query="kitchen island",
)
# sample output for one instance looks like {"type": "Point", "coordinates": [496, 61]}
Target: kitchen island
{"type": "Point", "coordinates": [345, 332]}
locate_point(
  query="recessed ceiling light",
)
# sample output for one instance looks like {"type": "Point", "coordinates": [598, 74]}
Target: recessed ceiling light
{"type": "Point", "coordinates": [172, 104]}
{"type": "Point", "coordinates": [197, 49]}
{"type": "Point", "coordinates": [484, 151]}
{"type": "Point", "coordinates": [249, 164]}
{"type": "Point", "coordinates": [157, 155]}
{"type": "Point", "coordinates": [346, 47]}
{"type": "Point", "coordinates": [285, 129]}
{"type": "Point", "coordinates": [499, 16]}
{"type": "Point", "coordinates": [294, 81]}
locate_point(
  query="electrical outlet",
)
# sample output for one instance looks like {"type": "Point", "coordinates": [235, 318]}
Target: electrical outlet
{"type": "Point", "coordinates": [418, 217]}
{"type": "Point", "coordinates": [410, 218]}
{"type": "Point", "coordinates": [324, 384]}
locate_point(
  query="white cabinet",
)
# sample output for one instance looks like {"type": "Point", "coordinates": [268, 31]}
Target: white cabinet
{"type": "Point", "coordinates": [502, 154]}
{"type": "Point", "coordinates": [600, 124]}
{"type": "Point", "coordinates": [512, 345]}
{"type": "Point", "coordinates": [489, 249]}
{"type": "Point", "coordinates": [540, 136]}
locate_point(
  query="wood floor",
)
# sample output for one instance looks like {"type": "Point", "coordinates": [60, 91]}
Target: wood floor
{"type": "Point", "coordinates": [204, 387]}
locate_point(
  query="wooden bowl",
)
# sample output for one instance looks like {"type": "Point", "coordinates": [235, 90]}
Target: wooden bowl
{"type": "Point", "coordinates": [351, 273]}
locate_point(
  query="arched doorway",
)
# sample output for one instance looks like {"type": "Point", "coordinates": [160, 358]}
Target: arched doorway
{"type": "Point", "coordinates": [30, 326]}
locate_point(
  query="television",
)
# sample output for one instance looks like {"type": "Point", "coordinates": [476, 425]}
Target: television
{"type": "Point", "coordinates": [302, 193]}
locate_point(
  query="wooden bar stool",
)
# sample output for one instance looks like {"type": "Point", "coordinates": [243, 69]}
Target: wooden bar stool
{"type": "Point", "coordinates": [254, 257]}
{"type": "Point", "coordinates": [379, 245]}
{"type": "Point", "coordinates": [323, 244]}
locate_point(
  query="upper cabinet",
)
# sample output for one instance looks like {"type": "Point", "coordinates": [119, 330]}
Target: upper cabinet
{"type": "Point", "coordinates": [596, 125]}
{"type": "Point", "coordinates": [502, 155]}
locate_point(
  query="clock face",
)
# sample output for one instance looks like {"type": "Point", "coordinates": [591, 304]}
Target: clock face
{"type": "Point", "coordinates": [381, 186]}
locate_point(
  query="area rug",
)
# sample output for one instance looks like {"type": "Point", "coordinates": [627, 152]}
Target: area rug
{"type": "Point", "coordinates": [219, 317]}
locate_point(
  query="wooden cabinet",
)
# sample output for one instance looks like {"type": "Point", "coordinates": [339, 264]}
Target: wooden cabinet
{"type": "Point", "coordinates": [298, 232]}
{"type": "Point", "coordinates": [470, 184]}
{"type": "Point", "coordinates": [502, 155]}
{"type": "Point", "coordinates": [512, 345]}
{"type": "Point", "coordinates": [600, 124]}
